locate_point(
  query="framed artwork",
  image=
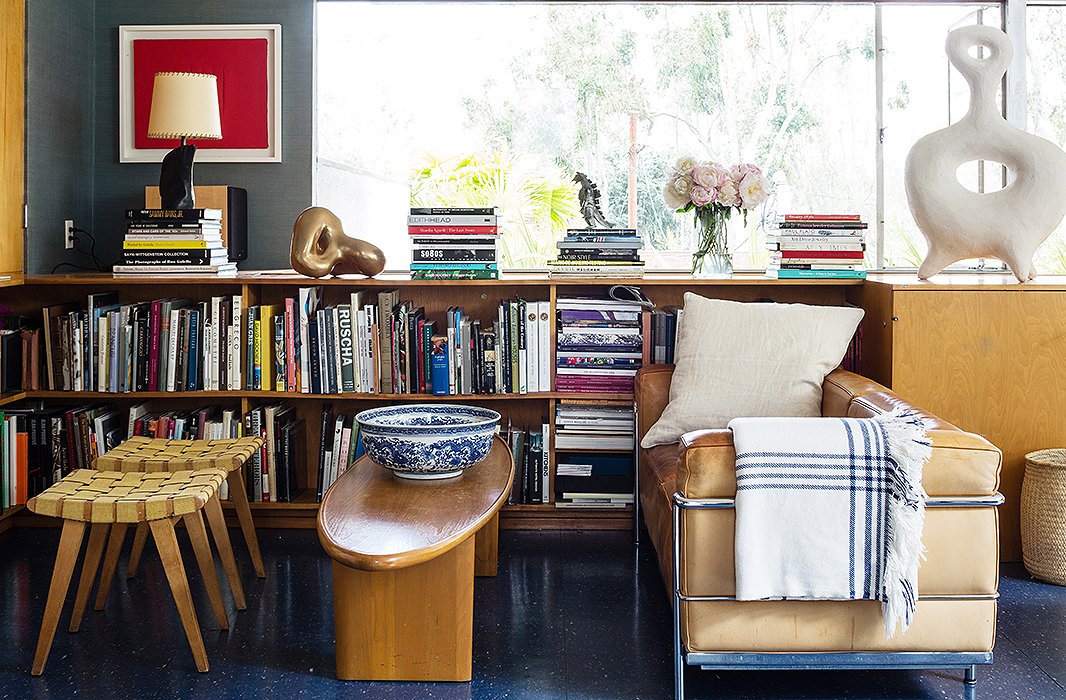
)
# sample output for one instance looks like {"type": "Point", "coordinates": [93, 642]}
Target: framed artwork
{"type": "Point", "coordinates": [246, 58]}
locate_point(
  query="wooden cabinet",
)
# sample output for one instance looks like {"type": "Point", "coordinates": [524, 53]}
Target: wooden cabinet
{"type": "Point", "coordinates": [12, 133]}
{"type": "Point", "coordinates": [984, 353]}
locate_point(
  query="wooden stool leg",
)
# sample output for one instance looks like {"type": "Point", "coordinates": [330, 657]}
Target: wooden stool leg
{"type": "Point", "coordinates": [114, 548]}
{"type": "Point", "coordinates": [97, 537]}
{"type": "Point", "coordinates": [244, 514]}
{"type": "Point", "coordinates": [194, 524]}
{"type": "Point", "coordinates": [167, 545]}
{"type": "Point", "coordinates": [69, 546]}
{"type": "Point", "coordinates": [139, 539]}
{"type": "Point", "coordinates": [217, 522]}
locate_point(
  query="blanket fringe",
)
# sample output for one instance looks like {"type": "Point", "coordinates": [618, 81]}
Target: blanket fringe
{"type": "Point", "coordinates": [909, 449]}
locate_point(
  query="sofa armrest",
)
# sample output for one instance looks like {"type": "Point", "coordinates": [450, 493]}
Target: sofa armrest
{"type": "Point", "coordinates": [962, 464]}
{"type": "Point", "coordinates": [651, 390]}
{"type": "Point", "coordinates": [706, 466]}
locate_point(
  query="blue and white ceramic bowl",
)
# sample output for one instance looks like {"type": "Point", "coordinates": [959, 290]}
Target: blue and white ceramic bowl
{"type": "Point", "coordinates": [427, 441]}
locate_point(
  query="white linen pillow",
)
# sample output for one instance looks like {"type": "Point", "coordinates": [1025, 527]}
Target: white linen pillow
{"type": "Point", "coordinates": [736, 359]}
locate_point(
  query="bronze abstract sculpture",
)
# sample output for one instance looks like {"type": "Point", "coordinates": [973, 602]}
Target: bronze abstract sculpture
{"type": "Point", "coordinates": [320, 247]}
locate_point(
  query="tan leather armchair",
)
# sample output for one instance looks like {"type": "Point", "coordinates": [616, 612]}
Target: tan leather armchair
{"type": "Point", "coordinates": [688, 488]}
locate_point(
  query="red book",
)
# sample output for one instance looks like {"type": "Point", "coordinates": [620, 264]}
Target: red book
{"type": "Point", "coordinates": [823, 217]}
{"type": "Point", "coordinates": [153, 344]}
{"type": "Point", "coordinates": [452, 230]}
{"type": "Point", "coordinates": [850, 254]}
{"type": "Point", "coordinates": [420, 349]}
{"type": "Point", "coordinates": [22, 466]}
{"type": "Point", "coordinates": [290, 344]}
{"type": "Point", "coordinates": [265, 467]}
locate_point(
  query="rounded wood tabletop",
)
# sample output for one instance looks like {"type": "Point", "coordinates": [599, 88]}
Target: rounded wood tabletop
{"type": "Point", "coordinates": [372, 520]}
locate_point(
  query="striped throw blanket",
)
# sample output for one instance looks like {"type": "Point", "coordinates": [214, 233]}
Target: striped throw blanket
{"type": "Point", "coordinates": [831, 509]}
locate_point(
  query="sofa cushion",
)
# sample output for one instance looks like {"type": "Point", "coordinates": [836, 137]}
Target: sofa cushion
{"type": "Point", "coordinates": [737, 359]}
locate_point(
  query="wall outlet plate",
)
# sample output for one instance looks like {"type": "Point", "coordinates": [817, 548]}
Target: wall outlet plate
{"type": "Point", "coordinates": [68, 234]}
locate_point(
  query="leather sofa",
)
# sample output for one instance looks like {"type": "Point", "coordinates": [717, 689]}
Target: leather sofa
{"type": "Point", "coordinates": [693, 484]}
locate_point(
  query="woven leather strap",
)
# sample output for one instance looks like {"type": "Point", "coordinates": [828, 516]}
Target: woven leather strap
{"type": "Point", "coordinates": [96, 496]}
{"type": "Point", "coordinates": [143, 454]}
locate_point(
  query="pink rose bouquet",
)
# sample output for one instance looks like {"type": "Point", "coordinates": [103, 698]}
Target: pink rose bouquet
{"type": "Point", "coordinates": [712, 191]}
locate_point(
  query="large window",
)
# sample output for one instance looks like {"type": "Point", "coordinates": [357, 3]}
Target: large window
{"type": "Point", "coordinates": [455, 103]}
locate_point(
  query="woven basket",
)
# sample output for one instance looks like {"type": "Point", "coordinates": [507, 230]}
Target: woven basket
{"type": "Point", "coordinates": [1044, 515]}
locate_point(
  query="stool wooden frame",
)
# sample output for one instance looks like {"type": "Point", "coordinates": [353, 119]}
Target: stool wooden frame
{"type": "Point", "coordinates": [107, 500]}
{"type": "Point", "coordinates": [143, 454]}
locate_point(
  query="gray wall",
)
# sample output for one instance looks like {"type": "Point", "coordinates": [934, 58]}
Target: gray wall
{"type": "Point", "coordinates": [60, 128]}
{"type": "Point", "coordinates": [72, 125]}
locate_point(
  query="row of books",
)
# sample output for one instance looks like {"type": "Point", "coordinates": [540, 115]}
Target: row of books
{"type": "Point", "coordinates": [594, 425]}
{"type": "Point", "coordinates": [338, 447]}
{"type": "Point", "coordinates": [159, 345]}
{"type": "Point", "coordinates": [599, 345]}
{"type": "Point", "coordinates": [817, 246]}
{"type": "Point", "coordinates": [454, 242]}
{"type": "Point", "coordinates": [271, 472]}
{"type": "Point", "coordinates": [598, 252]}
{"type": "Point", "coordinates": [392, 347]}
{"type": "Point", "coordinates": [174, 241]}
{"type": "Point", "coordinates": [532, 460]}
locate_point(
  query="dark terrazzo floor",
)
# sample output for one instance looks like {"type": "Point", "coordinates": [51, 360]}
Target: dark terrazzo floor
{"type": "Point", "coordinates": [571, 615]}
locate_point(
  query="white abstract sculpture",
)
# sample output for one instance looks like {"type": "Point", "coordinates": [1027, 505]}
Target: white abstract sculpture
{"type": "Point", "coordinates": [1009, 224]}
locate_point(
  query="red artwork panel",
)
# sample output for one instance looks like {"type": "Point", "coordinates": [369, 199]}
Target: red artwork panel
{"type": "Point", "coordinates": [241, 68]}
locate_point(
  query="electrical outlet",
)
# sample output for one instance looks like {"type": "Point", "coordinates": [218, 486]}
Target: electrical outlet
{"type": "Point", "coordinates": [68, 233]}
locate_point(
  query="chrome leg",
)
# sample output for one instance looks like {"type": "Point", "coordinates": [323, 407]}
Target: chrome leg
{"type": "Point", "coordinates": [679, 658]}
{"type": "Point", "coordinates": [636, 477]}
{"type": "Point", "coordinates": [971, 675]}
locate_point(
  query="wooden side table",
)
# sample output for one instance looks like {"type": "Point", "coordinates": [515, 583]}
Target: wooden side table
{"type": "Point", "coordinates": [405, 554]}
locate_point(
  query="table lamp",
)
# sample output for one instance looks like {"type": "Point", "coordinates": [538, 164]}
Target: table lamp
{"type": "Point", "coordinates": [184, 106]}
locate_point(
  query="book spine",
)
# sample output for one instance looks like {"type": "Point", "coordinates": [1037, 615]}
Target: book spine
{"type": "Point", "coordinates": [530, 319]}
{"type": "Point", "coordinates": [235, 365]}
{"type": "Point", "coordinates": [314, 367]}
{"type": "Point", "coordinates": [280, 356]}
{"type": "Point", "coordinates": [449, 220]}
{"type": "Point", "coordinates": [173, 344]}
{"type": "Point", "coordinates": [483, 211]}
{"type": "Point", "coordinates": [192, 382]}
{"type": "Point", "coordinates": [328, 330]}
{"type": "Point", "coordinates": [544, 367]}
{"type": "Point", "coordinates": [347, 348]}
{"type": "Point", "coordinates": [386, 301]}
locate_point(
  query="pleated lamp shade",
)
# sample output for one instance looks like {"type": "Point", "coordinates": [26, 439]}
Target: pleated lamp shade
{"type": "Point", "coordinates": [185, 105]}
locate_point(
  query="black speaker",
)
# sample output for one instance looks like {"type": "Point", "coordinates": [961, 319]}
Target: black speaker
{"type": "Point", "coordinates": [237, 227]}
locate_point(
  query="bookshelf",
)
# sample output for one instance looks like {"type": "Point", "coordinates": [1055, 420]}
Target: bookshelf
{"type": "Point", "coordinates": [27, 294]}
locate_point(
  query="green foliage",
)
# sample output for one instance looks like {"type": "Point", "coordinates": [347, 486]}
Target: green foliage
{"type": "Point", "coordinates": [537, 202]}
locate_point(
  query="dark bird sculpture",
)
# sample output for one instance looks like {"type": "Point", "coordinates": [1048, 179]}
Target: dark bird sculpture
{"type": "Point", "coordinates": [589, 199]}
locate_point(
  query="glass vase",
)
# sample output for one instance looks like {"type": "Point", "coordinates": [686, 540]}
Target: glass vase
{"type": "Point", "coordinates": [712, 259]}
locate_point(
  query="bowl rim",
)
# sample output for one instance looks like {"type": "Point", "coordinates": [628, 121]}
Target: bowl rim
{"type": "Point", "coordinates": [492, 419]}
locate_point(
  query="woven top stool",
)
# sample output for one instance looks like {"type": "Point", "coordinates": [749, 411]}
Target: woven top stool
{"type": "Point", "coordinates": [152, 455]}
{"type": "Point", "coordinates": [105, 499]}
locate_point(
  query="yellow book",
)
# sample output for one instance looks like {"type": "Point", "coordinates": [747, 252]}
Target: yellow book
{"type": "Point", "coordinates": [264, 345]}
{"type": "Point", "coordinates": [168, 245]}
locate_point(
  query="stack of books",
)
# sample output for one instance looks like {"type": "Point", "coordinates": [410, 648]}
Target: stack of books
{"type": "Point", "coordinates": [598, 473]}
{"type": "Point", "coordinates": [598, 252]}
{"type": "Point", "coordinates": [599, 345]}
{"type": "Point", "coordinates": [185, 241]}
{"type": "Point", "coordinates": [532, 460]}
{"type": "Point", "coordinates": [454, 243]}
{"type": "Point", "coordinates": [817, 246]}
{"type": "Point", "coordinates": [587, 480]}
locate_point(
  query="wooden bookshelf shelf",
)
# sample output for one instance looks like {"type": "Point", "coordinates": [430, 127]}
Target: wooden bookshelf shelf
{"type": "Point", "coordinates": [6, 520]}
{"type": "Point", "coordinates": [26, 295]}
{"type": "Point", "coordinates": [11, 397]}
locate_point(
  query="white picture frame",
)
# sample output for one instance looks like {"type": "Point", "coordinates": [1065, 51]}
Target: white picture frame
{"type": "Point", "coordinates": [127, 34]}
